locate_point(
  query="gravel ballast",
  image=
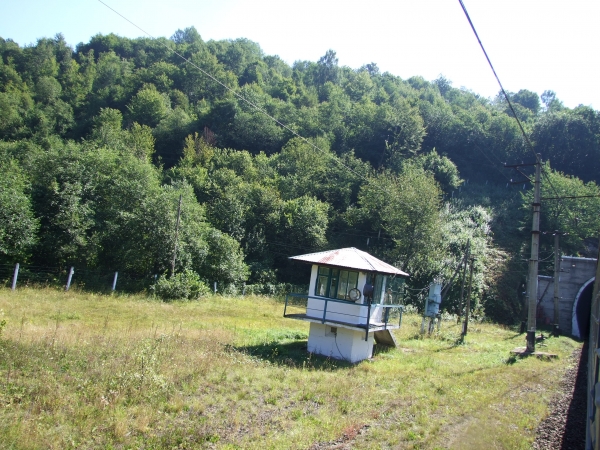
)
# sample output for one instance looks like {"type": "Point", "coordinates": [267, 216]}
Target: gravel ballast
{"type": "Point", "coordinates": [564, 428]}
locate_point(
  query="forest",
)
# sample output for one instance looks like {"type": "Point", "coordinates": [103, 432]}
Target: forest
{"type": "Point", "coordinates": [102, 144]}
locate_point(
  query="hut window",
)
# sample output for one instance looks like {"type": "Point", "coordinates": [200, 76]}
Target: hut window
{"type": "Point", "coordinates": [335, 283]}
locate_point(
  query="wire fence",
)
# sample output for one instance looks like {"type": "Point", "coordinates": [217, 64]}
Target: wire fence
{"type": "Point", "coordinates": [18, 275]}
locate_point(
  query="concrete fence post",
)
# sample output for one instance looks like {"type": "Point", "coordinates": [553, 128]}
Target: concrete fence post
{"type": "Point", "coordinates": [114, 285]}
{"type": "Point", "coordinates": [15, 276]}
{"type": "Point", "coordinates": [71, 272]}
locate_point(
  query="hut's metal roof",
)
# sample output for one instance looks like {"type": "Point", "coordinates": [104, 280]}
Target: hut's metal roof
{"type": "Point", "coordinates": [350, 258]}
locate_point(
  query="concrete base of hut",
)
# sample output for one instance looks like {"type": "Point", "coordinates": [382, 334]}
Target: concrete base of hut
{"type": "Point", "coordinates": [340, 342]}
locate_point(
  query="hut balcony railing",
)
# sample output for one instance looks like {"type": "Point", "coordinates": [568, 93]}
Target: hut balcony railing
{"type": "Point", "coordinates": [342, 312]}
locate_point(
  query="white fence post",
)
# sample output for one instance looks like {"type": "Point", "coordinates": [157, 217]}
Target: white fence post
{"type": "Point", "coordinates": [114, 286]}
{"type": "Point", "coordinates": [15, 276]}
{"type": "Point", "coordinates": [215, 288]}
{"type": "Point", "coordinates": [71, 272]}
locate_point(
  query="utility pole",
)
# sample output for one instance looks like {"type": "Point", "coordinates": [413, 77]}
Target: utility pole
{"type": "Point", "coordinates": [176, 237]}
{"type": "Point", "coordinates": [468, 308]}
{"type": "Point", "coordinates": [462, 286]}
{"type": "Point", "coordinates": [532, 280]}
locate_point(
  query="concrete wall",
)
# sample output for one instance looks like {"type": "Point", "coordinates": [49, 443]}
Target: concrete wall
{"type": "Point", "coordinates": [575, 274]}
{"type": "Point", "coordinates": [341, 343]}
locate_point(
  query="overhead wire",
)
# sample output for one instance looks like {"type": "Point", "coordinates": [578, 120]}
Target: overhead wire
{"type": "Point", "coordinates": [464, 8]}
{"type": "Point", "coordinates": [253, 105]}
{"type": "Point", "coordinates": [527, 140]}
{"type": "Point", "coordinates": [312, 145]}
{"type": "Point", "coordinates": [242, 98]}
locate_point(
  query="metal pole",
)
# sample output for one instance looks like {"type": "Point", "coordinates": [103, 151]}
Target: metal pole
{"type": "Point", "coordinates": [114, 285]}
{"type": "Point", "coordinates": [556, 283]}
{"type": "Point", "coordinates": [462, 286]}
{"type": "Point", "coordinates": [15, 276]}
{"type": "Point", "coordinates": [424, 315]}
{"type": "Point", "coordinates": [70, 277]}
{"type": "Point", "coordinates": [176, 236]}
{"type": "Point", "coordinates": [532, 282]}
{"type": "Point", "coordinates": [468, 308]}
{"type": "Point", "coordinates": [368, 318]}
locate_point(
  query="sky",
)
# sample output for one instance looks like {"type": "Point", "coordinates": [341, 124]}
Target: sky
{"type": "Point", "coordinates": [534, 44]}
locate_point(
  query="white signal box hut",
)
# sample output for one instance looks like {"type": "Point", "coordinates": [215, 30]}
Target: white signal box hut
{"type": "Point", "coordinates": [354, 300]}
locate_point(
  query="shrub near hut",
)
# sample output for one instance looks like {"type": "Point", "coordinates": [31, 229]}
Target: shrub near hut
{"type": "Point", "coordinates": [181, 286]}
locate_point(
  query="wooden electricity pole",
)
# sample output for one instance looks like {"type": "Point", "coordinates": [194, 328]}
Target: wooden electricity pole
{"type": "Point", "coordinates": [462, 286]}
{"type": "Point", "coordinates": [468, 308]}
{"type": "Point", "coordinates": [176, 237]}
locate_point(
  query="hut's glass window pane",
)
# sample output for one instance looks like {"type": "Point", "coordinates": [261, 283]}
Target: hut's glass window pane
{"type": "Point", "coordinates": [348, 280]}
{"type": "Point", "coordinates": [352, 280]}
{"type": "Point", "coordinates": [343, 285]}
{"type": "Point", "coordinates": [334, 282]}
{"type": "Point", "coordinates": [395, 287]}
{"type": "Point", "coordinates": [379, 281]}
{"type": "Point", "coordinates": [321, 287]}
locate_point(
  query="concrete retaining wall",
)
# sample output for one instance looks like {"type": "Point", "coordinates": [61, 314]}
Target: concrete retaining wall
{"type": "Point", "coordinates": [575, 274]}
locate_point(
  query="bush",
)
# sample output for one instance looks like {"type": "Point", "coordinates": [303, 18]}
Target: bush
{"type": "Point", "coordinates": [181, 286]}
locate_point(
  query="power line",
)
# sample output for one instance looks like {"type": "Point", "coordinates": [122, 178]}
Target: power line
{"type": "Point", "coordinates": [256, 107]}
{"type": "Point", "coordinates": [528, 142]}
{"type": "Point", "coordinates": [570, 197]}
{"type": "Point", "coordinates": [499, 82]}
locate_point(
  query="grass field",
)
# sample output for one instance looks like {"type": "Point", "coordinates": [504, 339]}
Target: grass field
{"type": "Point", "coordinates": [79, 370]}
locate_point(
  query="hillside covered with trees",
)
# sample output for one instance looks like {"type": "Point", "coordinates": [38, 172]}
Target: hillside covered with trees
{"type": "Point", "coordinates": [98, 143]}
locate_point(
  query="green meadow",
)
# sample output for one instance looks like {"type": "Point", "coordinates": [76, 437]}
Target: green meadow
{"type": "Point", "coordinates": [88, 371]}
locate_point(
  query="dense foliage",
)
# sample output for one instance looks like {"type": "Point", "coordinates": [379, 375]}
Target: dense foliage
{"type": "Point", "coordinates": [98, 143]}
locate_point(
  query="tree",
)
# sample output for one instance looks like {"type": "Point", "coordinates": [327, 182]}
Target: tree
{"type": "Point", "coordinates": [407, 207]}
{"type": "Point", "coordinates": [18, 226]}
{"type": "Point", "coordinates": [550, 101]}
{"type": "Point", "coordinates": [107, 131]}
{"type": "Point", "coordinates": [170, 135]}
{"type": "Point", "coordinates": [62, 194]}
{"type": "Point", "coordinates": [187, 36]}
{"type": "Point", "coordinates": [527, 99]}
{"type": "Point", "coordinates": [578, 217]}
{"type": "Point", "coordinates": [302, 168]}
{"type": "Point", "coordinates": [224, 262]}
{"type": "Point", "coordinates": [570, 139]}
{"type": "Point", "coordinates": [327, 68]}
{"type": "Point", "coordinates": [148, 106]}
{"type": "Point", "coordinates": [404, 128]}
{"type": "Point", "coordinates": [442, 168]}
{"type": "Point", "coordinates": [304, 223]}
